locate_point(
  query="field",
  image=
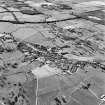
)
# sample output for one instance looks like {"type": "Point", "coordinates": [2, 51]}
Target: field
{"type": "Point", "coordinates": [52, 52]}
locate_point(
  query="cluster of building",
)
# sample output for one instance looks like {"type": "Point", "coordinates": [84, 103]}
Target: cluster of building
{"type": "Point", "coordinates": [54, 55]}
